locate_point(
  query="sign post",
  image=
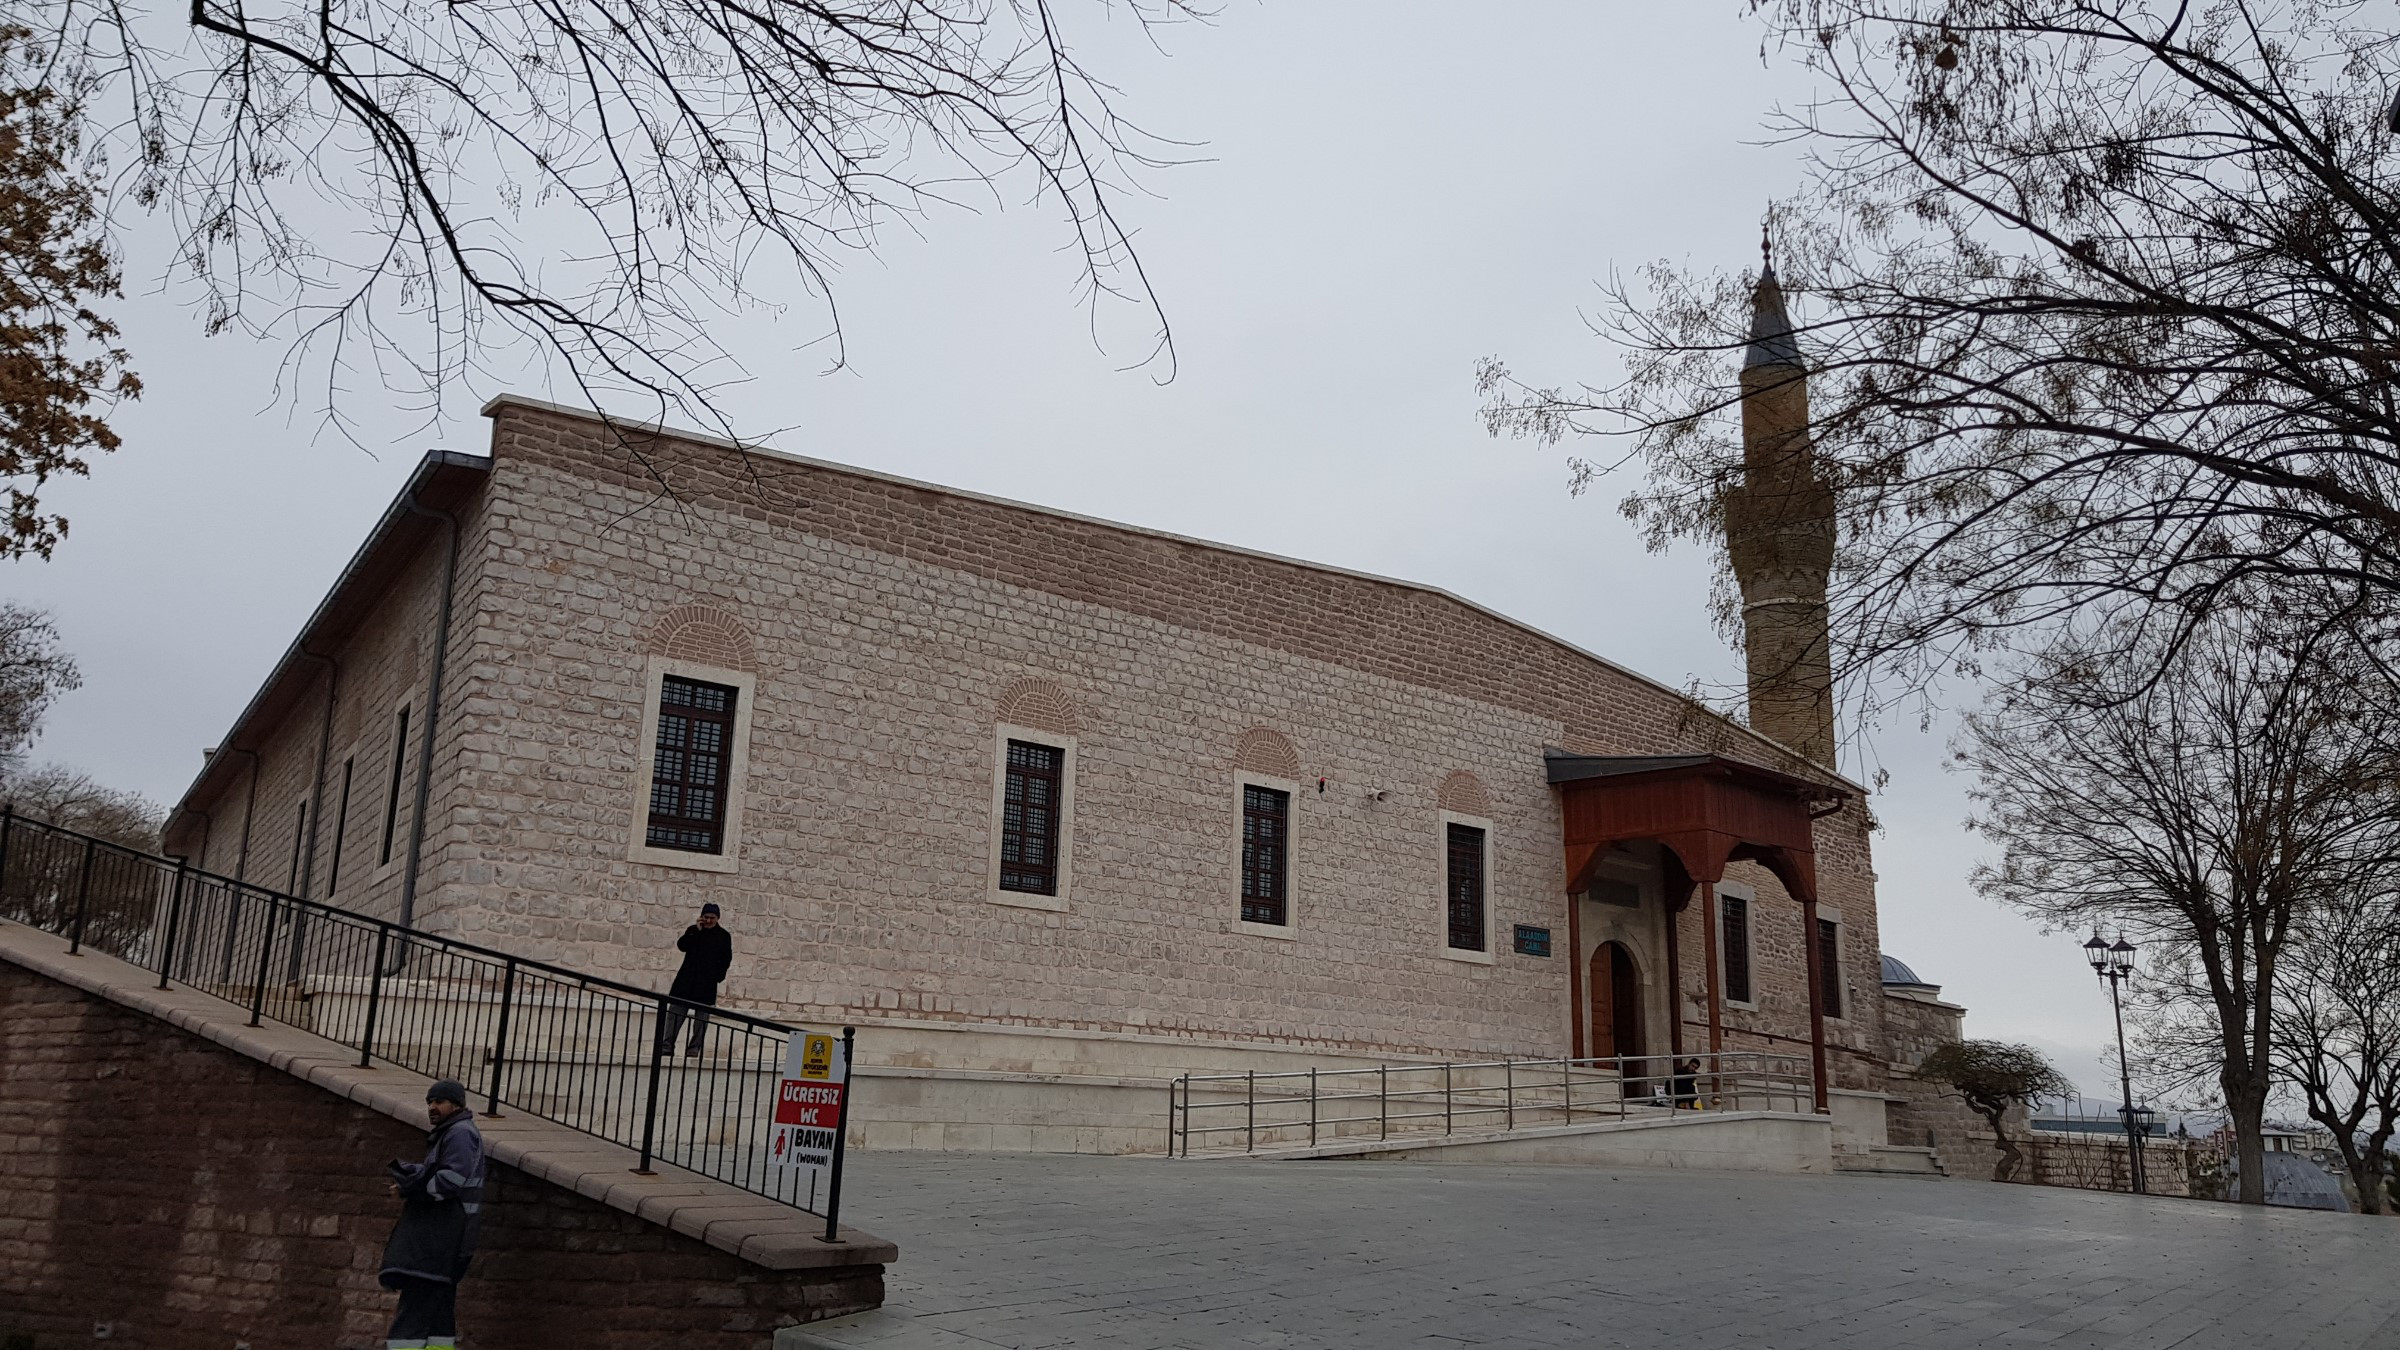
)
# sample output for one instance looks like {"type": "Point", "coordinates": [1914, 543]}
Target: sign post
{"type": "Point", "coordinates": [811, 1109]}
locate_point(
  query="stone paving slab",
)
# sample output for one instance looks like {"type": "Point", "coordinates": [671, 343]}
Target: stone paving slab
{"type": "Point", "coordinates": [1025, 1252]}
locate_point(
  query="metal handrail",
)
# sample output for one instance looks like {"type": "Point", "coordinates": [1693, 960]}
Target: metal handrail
{"type": "Point", "coordinates": [1521, 1092]}
{"type": "Point", "coordinates": [582, 1050]}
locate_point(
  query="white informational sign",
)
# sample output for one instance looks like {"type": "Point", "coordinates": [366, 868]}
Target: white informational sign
{"type": "Point", "coordinates": [808, 1105]}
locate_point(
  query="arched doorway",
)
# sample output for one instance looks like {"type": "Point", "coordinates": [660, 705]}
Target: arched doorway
{"type": "Point", "coordinates": [1616, 993]}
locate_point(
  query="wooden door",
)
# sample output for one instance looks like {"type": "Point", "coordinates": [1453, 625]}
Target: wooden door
{"type": "Point", "coordinates": [1616, 995]}
{"type": "Point", "coordinates": [1602, 990]}
{"type": "Point", "coordinates": [1625, 986]}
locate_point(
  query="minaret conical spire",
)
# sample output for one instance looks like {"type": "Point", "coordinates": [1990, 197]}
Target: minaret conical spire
{"type": "Point", "coordinates": [1772, 342]}
{"type": "Point", "coordinates": [1779, 534]}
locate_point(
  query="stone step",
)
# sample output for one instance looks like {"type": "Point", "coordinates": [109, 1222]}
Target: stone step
{"type": "Point", "coordinates": [1890, 1160]}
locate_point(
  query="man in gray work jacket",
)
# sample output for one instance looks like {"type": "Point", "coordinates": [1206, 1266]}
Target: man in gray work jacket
{"type": "Point", "coordinates": [443, 1212]}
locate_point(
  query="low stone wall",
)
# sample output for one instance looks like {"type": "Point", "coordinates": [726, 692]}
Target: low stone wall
{"type": "Point", "coordinates": [2099, 1163]}
{"type": "Point", "coordinates": [1931, 1116]}
{"type": "Point", "coordinates": [1921, 1114]}
{"type": "Point", "coordinates": [182, 1194]}
{"type": "Point", "coordinates": [1861, 1120]}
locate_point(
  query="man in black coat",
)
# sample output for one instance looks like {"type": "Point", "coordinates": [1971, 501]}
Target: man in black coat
{"type": "Point", "coordinates": [435, 1239]}
{"type": "Point", "coordinates": [707, 954]}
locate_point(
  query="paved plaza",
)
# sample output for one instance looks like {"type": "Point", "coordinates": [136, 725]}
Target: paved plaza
{"type": "Point", "coordinates": [1032, 1251]}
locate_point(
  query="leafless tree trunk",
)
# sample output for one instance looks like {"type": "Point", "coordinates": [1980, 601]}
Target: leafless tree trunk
{"type": "Point", "coordinates": [2337, 1028]}
{"type": "Point", "coordinates": [2201, 795]}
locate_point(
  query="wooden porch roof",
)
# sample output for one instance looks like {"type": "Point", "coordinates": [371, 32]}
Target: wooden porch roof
{"type": "Point", "coordinates": [1706, 810]}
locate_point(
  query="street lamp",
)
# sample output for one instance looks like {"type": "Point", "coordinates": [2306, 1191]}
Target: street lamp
{"type": "Point", "coordinates": [2113, 963]}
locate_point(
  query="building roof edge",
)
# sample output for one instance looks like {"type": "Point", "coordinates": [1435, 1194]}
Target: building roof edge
{"type": "Point", "coordinates": [499, 402]}
{"type": "Point", "coordinates": [433, 463]}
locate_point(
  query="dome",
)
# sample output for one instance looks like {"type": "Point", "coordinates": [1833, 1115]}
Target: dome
{"type": "Point", "coordinates": [1896, 971]}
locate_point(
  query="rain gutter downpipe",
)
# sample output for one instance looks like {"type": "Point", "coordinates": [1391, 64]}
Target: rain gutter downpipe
{"type": "Point", "coordinates": [433, 713]}
{"type": "Point", "coordinates": [207, 824]}
{"type": "Point", "coordinates": [316, 808]}
{"type": "Point", "coordinates": [241, 856]}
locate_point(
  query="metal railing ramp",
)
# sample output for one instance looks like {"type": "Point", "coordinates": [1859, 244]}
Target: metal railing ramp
{"type": "Point", "coordinates": [1339, 1112]}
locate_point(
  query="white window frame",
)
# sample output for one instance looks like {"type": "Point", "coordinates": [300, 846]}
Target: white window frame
{"type": "Point", "coordinates": [1289, 929]}
{"type": "Point", "coordinates": [727, 860]}
{"type": "Point", "coordinates": [1001, 736]}
{"type": "Point", "coordinates": [1441, 890]}
{"type": "Point", "coordinates": [1749, 898]}
{"type": "Point", "coordinates": [1841, 933]}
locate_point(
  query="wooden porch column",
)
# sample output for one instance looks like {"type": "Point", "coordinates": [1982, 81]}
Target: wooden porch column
{"type": "Point", "coordinates": [1675, 978]}
{"type": "Point", "coordinates": [1816, 999]}
{"type": "Point", "coordinates": [1575, 1011]}
{"type": "Point", "coordinates": [1716, 993]}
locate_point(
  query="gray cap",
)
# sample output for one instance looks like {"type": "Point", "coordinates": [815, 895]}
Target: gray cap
{"type": "Point", "coordinates": [447, 1090]}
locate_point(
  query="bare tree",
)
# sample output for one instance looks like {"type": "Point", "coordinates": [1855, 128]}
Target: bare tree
{"type": "Point", "coordinates": [72, 799]}
{"type": "Point", "coordinates": [60, 370]}
{"type": "Point", "coordinates": [2102, 304]}
{"type": "Point", "coordinates": [33, 673]}
{"type": "Point", "coordinates": [1993, 1076]}
{"type": "Point", "coordinates": [2202, 796]}
{"type": "Point", "coordinates": [408, 190]}
{"type": "Point", "coordinates": [2337, 1028]}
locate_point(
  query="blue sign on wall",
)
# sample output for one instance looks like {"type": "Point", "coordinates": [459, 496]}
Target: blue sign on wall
{"type": "Point", "coordinates": [1532, 941]}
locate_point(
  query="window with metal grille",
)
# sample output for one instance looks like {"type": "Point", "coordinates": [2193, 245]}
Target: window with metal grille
{"type": "Point", "coordinates": [1029, 810]}
{"type": "Point", "coordinates": [1266, 853]}
{"type": "Point", "coordinates": [1829, 964]}
{"type": "Point", "coordinates": [690, 766]}
{"type": "Point", "coordinates": [1734, 929]}
{"type": "Point", "coordinates": [1465, 891]}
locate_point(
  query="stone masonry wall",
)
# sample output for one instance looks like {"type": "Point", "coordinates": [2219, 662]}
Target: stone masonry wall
{"type": "Point", "coordinates": [1855, 1040]}
{"type": "Point", "coordinates": [890, 628]}
{"type": "Point", "coordinates": [254, 828]}
{"type": "Point", "coordinates": [186, 1195]}
{"type": "Point", "coordinates": [1933, 1116]}
{"type": "Point", "coordinates": [2100, 1163]}
{"type": "Point", "coordinates": [889, 623]}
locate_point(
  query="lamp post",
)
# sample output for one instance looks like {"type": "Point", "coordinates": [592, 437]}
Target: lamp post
{"type": "Point", "coordinates": [2113, 963]}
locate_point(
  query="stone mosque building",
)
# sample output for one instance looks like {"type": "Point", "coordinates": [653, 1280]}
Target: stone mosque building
{"type": "Point", "coordinates": [1041, 802]}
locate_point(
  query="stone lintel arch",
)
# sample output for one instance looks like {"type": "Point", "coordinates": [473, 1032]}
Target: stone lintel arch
{"type": "Point", "coordinates": [1268, 753]}
{"type": "Point", "coordinates": [706, 635]}
{"type": "Point", "coordinates": [1038, 705]}
{"type": "Point", "coordinates": [1464, 793]}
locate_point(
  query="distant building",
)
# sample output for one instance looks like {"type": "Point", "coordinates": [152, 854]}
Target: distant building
{"type": "Point", "coordinates": [2075, 1113]}
{"type": "Point", "coordinates": [2294, 1177]}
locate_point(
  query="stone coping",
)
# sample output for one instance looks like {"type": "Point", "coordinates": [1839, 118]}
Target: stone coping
{"type": "Point", "coordinates": [752, 1227]}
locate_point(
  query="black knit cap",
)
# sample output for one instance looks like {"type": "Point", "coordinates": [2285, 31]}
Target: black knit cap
{"type": "Point", "coordinates": [447, 1091]}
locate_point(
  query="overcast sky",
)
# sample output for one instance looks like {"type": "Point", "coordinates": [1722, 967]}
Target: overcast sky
{"type": "Point", "coordinates": [1385, 193]}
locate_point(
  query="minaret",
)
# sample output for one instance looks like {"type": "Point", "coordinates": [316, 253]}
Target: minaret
{"type": "Point", "coordinates": [1779, 534]}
